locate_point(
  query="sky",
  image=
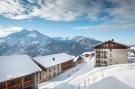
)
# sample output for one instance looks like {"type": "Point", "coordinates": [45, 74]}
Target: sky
{"type": "Point", "coordinates": [99, 19]}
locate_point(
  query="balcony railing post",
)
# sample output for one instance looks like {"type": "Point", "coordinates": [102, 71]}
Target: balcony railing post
{"type": "Point", "coordinates": [22, 81]}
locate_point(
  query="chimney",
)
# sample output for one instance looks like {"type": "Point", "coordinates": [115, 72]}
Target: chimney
{"type": "Point", "coordinates": [112, 39]}
{"type": "Point", "coordinates": [53, 59]}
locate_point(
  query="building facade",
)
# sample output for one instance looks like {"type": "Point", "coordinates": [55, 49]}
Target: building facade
{"type": "Point", "coordinates": [53, 65]}
{"type": "Point", "coordinates": [48, 73]}
{"type": "Point", "coordinates": [78, 60]}
{"type": "Point", "coordinates": [110, 53]}
{"type": "Point", "coordinates": [24, 82]}
{"type": "Point", "coordinates": [18, 72]}
{"type": "Point", "coordinates": [88, 55]}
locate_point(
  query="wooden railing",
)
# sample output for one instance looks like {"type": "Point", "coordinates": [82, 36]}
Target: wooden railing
{"type": "Point", "coordinates": [17, 86]}
{"type": "Point", "coordinates": [27, 83]}
{"type": "Point", "coordinates": [20, 86]}
{"type": "Point", "coordinates": [101, 63]}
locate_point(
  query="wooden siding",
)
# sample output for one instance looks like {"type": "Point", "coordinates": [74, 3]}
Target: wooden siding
{"type": "Point", "coordinates": [67, 65]}
{"type": "Point", "coordinates": [101, 58]}
{"type": "Point", "coordinates": [25, 82]}
{"type": "Point", "coordinates": [101, 62]}
{"type": "Point", "coordinates": [79, 60]}
{"type": "Point", "coordinates": [111, 45]}
{"type": "Point", "coordinates": [106, 57]}
{"type": "Point", "coordinates": [101, 54]}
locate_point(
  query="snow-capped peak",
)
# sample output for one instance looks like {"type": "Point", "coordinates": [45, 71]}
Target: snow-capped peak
{"type": "Point", "coordinates": [32, 42]}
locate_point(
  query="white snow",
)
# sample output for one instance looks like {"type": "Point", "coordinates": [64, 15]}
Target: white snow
{"type": "Point", "coordinates": [131, 59]}
{"type": "Point", "coordinates": [47, 61]}
{"type": "Point", "coordinates": [16, 66]}
{"type": "Point", "coordinates": [32, 35]}
{"type": "Point", "coordinates": [35, 42]}
{"type": "Point", "coordinates": [75, 59]}
{"type": "Point", "coordinates": [88, 52]}
{"type": "Point", "coordinates": [117, 76]}
{"type": "Point", "coordinates": [2, 41]}
{"type": "Point", "coordinates": [121, 76]}
{"type": "Point", "coordinates": [61, 78]}
{"type": "Point", "coordinates": [132, 48]}
{"type": "Point", "coordinates": [131, 54]}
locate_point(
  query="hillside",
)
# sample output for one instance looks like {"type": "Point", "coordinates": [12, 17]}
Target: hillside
{"type": "Point", "coordinates": [34, 43]}
{"type": "Point", "coordinates": [120, 76]}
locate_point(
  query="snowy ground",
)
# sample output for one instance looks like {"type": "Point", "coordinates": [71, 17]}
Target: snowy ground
{"type": "Point", "coordinates": [131, 59]}
{"type": "Point", "coordinates": [64, 77]}
{"type": "Point", "coordinates": [120, 76]}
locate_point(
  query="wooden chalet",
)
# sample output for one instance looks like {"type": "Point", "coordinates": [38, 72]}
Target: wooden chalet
{"type": "Point", "coordinates": [110, 52]}
{"type": "Point", "coordinates": [78, 60]}
{"type": "Point", "coordinates": [88, 55]}
{"type": "Point", "coordinates": [18, 72]}
{"type": "Point", "coordinates": [53, 65]}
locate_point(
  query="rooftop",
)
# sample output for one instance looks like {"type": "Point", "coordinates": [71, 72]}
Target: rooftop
{"type": "Point", "coordinates": [51, 60]}
{"type": "Point", "coordinates": [109, 43]}
{"type": "Point", "coordinates": [16, 66]}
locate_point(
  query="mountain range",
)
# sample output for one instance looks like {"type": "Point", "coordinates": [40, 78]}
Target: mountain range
{"type": "Point", "coordinates": [34, 43]}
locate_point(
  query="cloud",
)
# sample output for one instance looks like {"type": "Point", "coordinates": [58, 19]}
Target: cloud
{"type": "Point", "coordinates": [108, 26]}
{"type": "Point", "coordinates": [10, 8]}
{"type": "Point", "coordinates": [65, 10]}
{"type": "Point", "coordinates": [69, 10]}
{"type": "Point", "coordinates": [4, 31]}
{"type": "Point", "coordinates": [56, 10]}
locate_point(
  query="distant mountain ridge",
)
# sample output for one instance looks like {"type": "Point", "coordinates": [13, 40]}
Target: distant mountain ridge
{"type": "Point", "coordinates": [33, 43]}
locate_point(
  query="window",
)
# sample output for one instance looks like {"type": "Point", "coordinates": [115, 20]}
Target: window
{"type": "Point", "coordinates": [49, 76]}
{"type": "Point", "coordinates": [107, 45]}
{"type": "Point", "coordinates": [110, 49]}
{"type": "Point", "coordinates": [98, 56]}
{"type": "Point", "coordinates": [54, 73]}
{"type": "Point", "coordinates": [49, 70]}
{"type": "Point", "coordinates": [111, 45]}
{"type": "Point", "coordinates": [40, 75]}
{"type": "Point", "coordinates": [3, 85]}
{"type": "Point", "coordinates": [54, 68]}
{"type": "Point", "coordinates": [110, 60]}
{"type": "Point", "coordinates": [105, 57]}
{"type": "Point", "coordinates": [110, 55]}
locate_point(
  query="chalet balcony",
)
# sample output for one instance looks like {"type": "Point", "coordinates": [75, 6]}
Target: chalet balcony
{"type": "Point", "coordinates": [17, 86]}
{"type": "Point", "coordinates": [28, 83]}
{"type": "Point", "coordinates": [101, 56]}
{"type": "Point", "coordinates": [101, 63]}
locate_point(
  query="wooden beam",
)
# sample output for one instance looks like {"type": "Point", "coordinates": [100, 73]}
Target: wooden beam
{"type": "Point", "coordinates": [22, 81]}
{"type": "Point", "coordinates": [6, 85]}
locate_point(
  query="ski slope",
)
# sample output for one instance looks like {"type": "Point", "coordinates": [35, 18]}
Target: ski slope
{"type": "Point", "coordinates": [120, 76]}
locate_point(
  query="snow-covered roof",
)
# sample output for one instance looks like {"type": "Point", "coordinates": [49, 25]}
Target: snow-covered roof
{"type": "Point", "coordinates": [133, 48]}
{"type": "Point", "coordinates": [88, 52]}
{"type": "Point", "coordinates": [47, 61]}
{"type": "Point", "coordinates": [76, 58]}
{"type": "Point", "coordinates": [112, 41]}
{"type": "Point", "coordinates": [16, 66]}
{"type": "Point", "coordinates": [131, 54]}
